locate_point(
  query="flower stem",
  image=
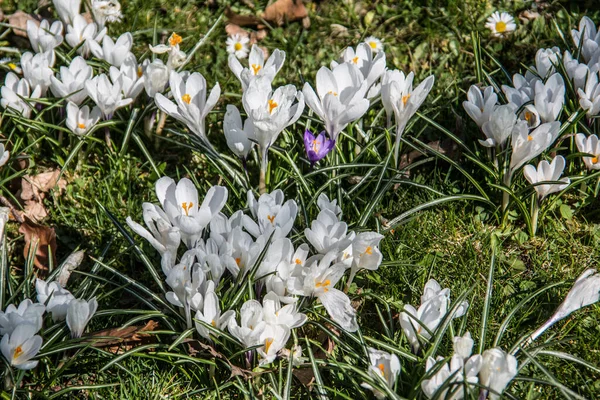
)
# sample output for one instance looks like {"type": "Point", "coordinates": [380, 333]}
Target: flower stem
{"type": "Point", "coordinates": [505, 194]}
{"type": "Point", "coordinates": [262, 184]}
{"type": "Point", "coordinates": [534, 215]}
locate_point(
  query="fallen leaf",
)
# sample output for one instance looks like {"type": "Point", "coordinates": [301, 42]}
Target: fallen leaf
{"type": "Point", "coordinates": [254, 36]}
{"type": "Point", "coordinates": [118, 340]}
{"type": "Point", "coordinates": [43, 239]}
{"type": "Point", "coordinates": [18, 22]}
{"type": "Point", "coordinates": [71, 264]}
{"type": "Point", "coordinates": [241, 20]}
{"type": "Point", "coordinates": [338, 30]}
{"type": "Point", "coordinates": [34, 189]}
{"type": "Point", "coordinates": [283, 11]}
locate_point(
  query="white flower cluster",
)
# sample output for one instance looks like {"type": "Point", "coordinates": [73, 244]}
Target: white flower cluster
{"type": "Point", "coordinates": [253, 246]}
{"type": "Point", "coordinates": [19, 326]}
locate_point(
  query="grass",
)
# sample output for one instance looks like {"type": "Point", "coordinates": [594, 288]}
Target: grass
{"type": "Point", "coordinates": [451, 242]}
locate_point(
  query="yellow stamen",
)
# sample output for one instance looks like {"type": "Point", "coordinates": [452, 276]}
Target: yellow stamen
{"type": "Point", "coordinates": [18, 352]}
{"type": "Point", "coordinates": [529, 138]}
{"type": "Point", "coordinates": [369, 250]}
{"type": "Point", "coordinates": [332, 92]}
{"type": "Point", "coordinates": [140, 72]}
{"type": "Point", "coordinates": [373, 44]}
{"type": "Point", "coordinates": [381, 368]}
{"type": "Point", "coordinates": [81, 126]}
{"type": "Point", "coordinates": [271, 219]}
{"type": "Point", "coordinates": [213, 323]}
{"type": "Point", "coordinates": [405, 99]}
{"type": "Point", "coordinates": [323, 284]}
{"type": "Point", "coordinates": [186, 98]}
{"type": "Point", "coordinates": [355, 60]}
{"type": "Point", "coordinates": [12, 66]}
{"type": "Point", "coordinates": [186, 207]}
{"type": "Point", "coordinates": [272, 105]}
{"type": "Point", "coordinates": [500, 26]}
{"type": "Point", "coordinates": [268, 343]}
{"type": "Point", "coordinates": [238, 261]}
{"type": "Point", "coordinates": [175, 39]}
{"type": "Point", "coordinates": [255, 68]}
{"type": "Point", "coordinates": [298, 261]}
{"type": "Point", "coordinates": [528, 116]}
{"type": "Point", "coordinates": [237, 46]}
{"type": "Point", "coordinates": [595, 160]}
{"type": "Point", "coordinates": [314, 145]}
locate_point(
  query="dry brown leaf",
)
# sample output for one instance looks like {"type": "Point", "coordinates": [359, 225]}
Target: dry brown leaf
{"type": "Point", "coordinates": [122, 339]}
{"type": "Point", "coordinates": [283, 11]}
{"type": "Point", "coordinates": [18, 21]}
{"type": "Point", "coordinates": [43, 239]}
{"type": "Point", "coordinates": [255, 36]}
{"type": "Point", "coordinates": [241, 20]}
{"type": "Point", "coordinates": [34, 189]}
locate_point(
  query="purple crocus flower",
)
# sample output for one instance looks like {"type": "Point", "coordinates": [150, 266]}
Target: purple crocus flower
{"type": "Point", "coordinates": [317, 147]}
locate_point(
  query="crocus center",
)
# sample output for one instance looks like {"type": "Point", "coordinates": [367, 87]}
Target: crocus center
{"type": "Point", "coordinates": [332, 92]}
{"type": "Point", "coordinates": [381, 368]}
{"type": "Point", "coordinates": [175, 39]}
{"type": "Point", "coordinates": [298, 261]}
{"type": "Point", "coordinates": [81, 126]}
{"type": "Point", "coordinates": [528, 116]}
{"type": "Point", "coordinates": [186, 207]}
{"type": "Point", "coordinates": [325, 285]}
{"type": "Point", "coordinates": [213, 323]}
{"type": "Point", "coordinates": [268, 343]}
{"type": "Point", "coordinates": [255, 68]}
{"type": "Point", "coordinates": [315, 146]}
{"type": "Point", "coordinates": [140, 72]}
{"type": "Point", "coordinates": [18, 352]}
{"type": "Point", "coordinates": [373, 44]}
{"type": "Point", "coordinates": [529, 138]}
{"type": "Point", "coordinates": [186, 98]}
{"type": "Point", "coordinates": [355, 60]}
{"type": "Point", "coordinates": [595, 160]}
{"type": "Point", "coordinates": [369, 250]}
{"type": "Point", "coordinates": [405, 99]}
{"type": "Point", "coordinates": [237, 46]}
{"type": "Point", "coordinates": [238, 261]}
{"type": "Point", "coordinates": [272, 105]}
{"type": "Point", "coordinates": [271, 219]}
{"type": "Point", "coordinates": [500, 26]}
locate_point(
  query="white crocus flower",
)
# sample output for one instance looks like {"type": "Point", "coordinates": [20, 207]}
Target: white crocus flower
{"type": "Point", "coordinates": [275, 314]}
{"type": "Point", "coordinates": [27, 313]}
{"type": "Point", "coordinates": [371, 67]}
{"type": "Point", "coordinates": [238, 135]}
{"type": "Point", "coordinates": [21, 346]}
{"type": "Point", "coordinates": [365, 253]}
{"type": "Point", "coordinates": [587, 37]}
{"type": "Point", "coordinates": [185, 280]}
{"type": "Point", "coordinates": [257, 66]}
{"type": "Point", "coordinates": [340, 97]}
{"type": "Point", "coordinates": [480, 106]}
{"type": "Point", "coordinates": [398, 96]}
{"type": "Point", "coordinates": [211, 315]}
{"type": "Point", "coordinates": [589, 145]}
{"type": "Point", "coordinates": [4, 156]}
{"type": "Point", "coordinates": [79, 314]}
{"type": "Point", "coordinates": [273, 338]}
{"type": "Point", "coordinates": [528, 145]}
{"type": "Point", "coordinates": [320, 280]}
{"type": "Point", "coordinates": [59, 298]}
{"type": "Point", "coordinates": [432, 385]}
{"type": "Point", "coordinates": [500, 126]}
{"type": "Point", "coordinates": [285, 275]}
{"type": "Point", "coordinates": [500, 24]}
{"type": "Point", "coordinates": [106, 11]}
{"type": "Point", "coordinates": [81, 121]}
{"type": "Point", "coordinates": [238, 45]}
{"type": "Point", "coordinates": [251, 325]}
{"type": "Point", "coordinates": [383, 366]}
{"type": "Point", "coordinates": [325, 204]}
{"type": "Point", "coordinates": [156, 77]}
{"type": "Point", "coordinates": [454, 376]}
{"type": "Point", "coordinates": [328, 233]}
{"type": "Point", "coordinates": [191, 103]}
{"type": "Point", "coordinates": [161, 234]}
{"type": "Point", "coordinates": [107, 96]}
{"type": "Point", "coordinates": [37, 69]}
{"type": "Point", "coordinates": [71, 80]}
{"type": "Point", "coordinates": [113, 52]}
{"type": "Point", "coordinates": [15, 94]}
{"type": "Point", "coordinates": [576, 71]}
{"type": "Point", "coordinates": [497, 370]}
{"type": "Point", "coordinates": [546, 60]}
{"type": "Point", "coordinates": [131, 82]}
{"type": "Point", "coordinates": [67, 10]}
{"type": "Point", "coordinates": [176, 56]}
{"type": "Point", "coordinates": [435, 303]}
{"type": "Point", "coordinates": [375, 44]}
{"type": "Point", "coordinates": [463, 345]}
{"type": "Point", "coordinates": [550, 98]}
{"type": "Point", "coordinates": [589, 99]}
{"type": "Point", "coordinates": [585, 291]}
{"type": "Point", "coordinates": [547, 172]}
{"type": "Point", "coordinates": [44, 37]}
{"type": "Point", "coordinates": [181, 205]}
{"type": "Point", "coordinates": [271, 214]}
{"type": "Point", "coordinates": [271, 111]}
{"type": "Point", "coordinates": [81, 34]}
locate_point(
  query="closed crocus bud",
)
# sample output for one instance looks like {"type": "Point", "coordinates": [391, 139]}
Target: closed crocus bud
{"type": "Point", "coordinates": [156, 77]}
{"type": "Point", "coordinates": [67, 9]}
{"type": "Point", "coordinates": [589, 145]}
{"type": "Point", "coordinates": [107, 96]}
{"type": "Point", "coordinates": [113, 52]}
{"type": "Point", "coordinates": [499, 127]}
{"type": "Point", "coordinates": [497, 370]}
{"type": "Point", "coordinates": [549, 97]}
{"type": "Point", "coordinates": [238, 135]}
{"type": "Point", "coordinates": [547, 172]}
{"type": "Point", "coordinates": [44, 37]}
{"type": "Point", "coordinates": [79, 314]}
{"type": "Point", "coordinates": [463, 345]}
{"type": "Point", "coordinates": [586, 38]}
{"type": "Point", "coordinates": [20, 346]}
{"type": "Point", "coordinates": [4, 154]}
{"type": "Point", "coordinates": [480, 105]}
{"type": "Point", "coordinates": [80, 121]}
